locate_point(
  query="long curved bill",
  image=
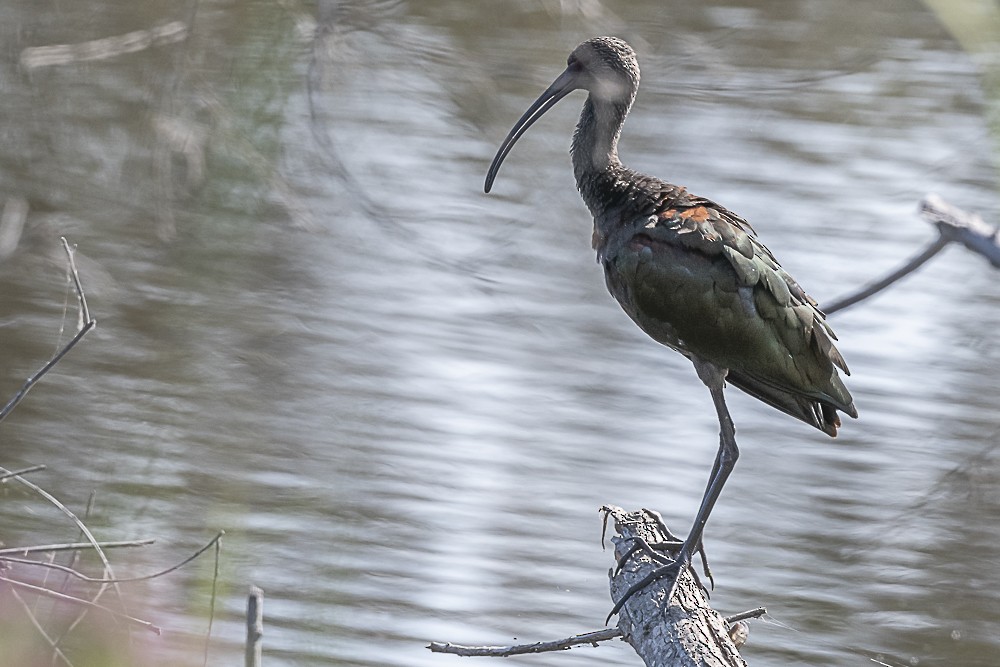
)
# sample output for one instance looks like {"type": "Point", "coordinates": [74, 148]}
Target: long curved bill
{"type": "Point", "coordinates": [560, 88]}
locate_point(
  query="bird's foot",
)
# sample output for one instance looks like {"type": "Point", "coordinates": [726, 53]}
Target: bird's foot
{"type": "Point", "coordinates": [671, 570]}
{"type": "Point", "coordinates": [671, 544]}
{"type": "Point", "coordinates": [672, 547]}
{"type": "Point", "coordinates": [649, 550]}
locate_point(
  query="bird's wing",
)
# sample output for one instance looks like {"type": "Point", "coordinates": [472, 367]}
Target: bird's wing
{"type": "Point", "coordinates": [694, 276]}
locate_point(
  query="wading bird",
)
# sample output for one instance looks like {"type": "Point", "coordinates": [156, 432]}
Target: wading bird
{"type": "Point", "coordinates": [691, 274]}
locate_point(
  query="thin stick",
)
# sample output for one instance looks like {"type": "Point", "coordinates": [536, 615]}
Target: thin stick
{"type": "Point", "coordinates": [30, 382]}
{"type": "Point", "coordinates": [215, 585]}
{"type": "Point", "coordinates": [22, 471]}
{"type": "Point", "coordinates": [83, 528]}
{"type": "Point", "coordinates": [120, 580]}
{"type": "Point", "coordinates": [909, 267]}
{"type": "Point", "coordinates": [953, 225]}
{"type": "Point", "coordinates": [38, 601]}
{"type": "Point", "coordinates": [255, 627]}
{"type": "Point", "coordinates": [73, 546]}
{"type": "Point", "coordinates": [38, 626]}
{"type": "Point", "coordinates": [744, 615]}
{"type": "Point", "coordinates": [65, 510]}
{"type": "Point", "coordinates": [74, 559]}
{"type": "Point", "coordinates": [69, 598]}
{"type": "Point", "coordinates": [591, 638]}
{"type": "Point", "coordinates": [89, 324]}
{"type": "Point", "coordinates": [559, 644]}
{"type": "Point", "coordinates": [80, 296]}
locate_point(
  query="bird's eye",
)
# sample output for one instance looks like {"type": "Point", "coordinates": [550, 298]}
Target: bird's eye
{"type": "Point", "coordinates": [572, 62]}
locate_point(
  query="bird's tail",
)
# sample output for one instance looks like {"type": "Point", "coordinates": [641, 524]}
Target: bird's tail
{"type": "Point", "coordinates": [819, 412]}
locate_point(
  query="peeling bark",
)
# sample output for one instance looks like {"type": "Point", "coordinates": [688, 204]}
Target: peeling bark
{"type": "Point", "coordinates": [682, 632]}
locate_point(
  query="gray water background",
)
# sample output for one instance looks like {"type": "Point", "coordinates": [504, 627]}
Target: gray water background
{"type": "Point", "coordinates": [405, 400]}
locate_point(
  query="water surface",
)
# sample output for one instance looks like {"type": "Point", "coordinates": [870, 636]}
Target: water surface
{"type": "Point", "coordinates": [405, 400]}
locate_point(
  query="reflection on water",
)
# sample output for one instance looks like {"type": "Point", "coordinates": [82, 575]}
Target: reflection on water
{"type": "Point", "coordinates": [404, 400]}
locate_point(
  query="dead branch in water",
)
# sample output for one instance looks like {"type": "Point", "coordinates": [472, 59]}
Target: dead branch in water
{"type": "Point", "coordinates": [35, 57]}
{"type": "Point", "coordinates": [954, 226]}
{"type": "Point", "coordinates": [684, 632]}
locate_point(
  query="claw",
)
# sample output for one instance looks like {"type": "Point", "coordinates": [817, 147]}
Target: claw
{"type": "Point", "coordinates": [636, 546]}
{"type": "Point", "coordinates": [705, 567]}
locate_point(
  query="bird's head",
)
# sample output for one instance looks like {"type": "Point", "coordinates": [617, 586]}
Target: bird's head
{"type": "Point", "coordinates": [606, 67]}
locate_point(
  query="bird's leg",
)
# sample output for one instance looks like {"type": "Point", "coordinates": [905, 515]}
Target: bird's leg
{"type": "Point", "coordinates": [725, 460]}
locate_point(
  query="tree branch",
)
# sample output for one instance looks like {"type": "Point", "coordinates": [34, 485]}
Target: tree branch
{"type": "Point", "coordinates": [680, 632]}
{"type": "Point", "coordinates": [106, 580]}
{"type": "Point", "coordinates": [963, 227]}
{"type": "Point", "coordinates": [88, 324]}
{"type": "Point", "coordinates": [74, 546]}
{"type": "Point", "coordinates": [591, 638]}
{"type": "Point", "coordinates": [953, 225]}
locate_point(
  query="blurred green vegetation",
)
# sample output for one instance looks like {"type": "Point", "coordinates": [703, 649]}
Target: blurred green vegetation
{"type": "Point", "coordinates": [975, 24]}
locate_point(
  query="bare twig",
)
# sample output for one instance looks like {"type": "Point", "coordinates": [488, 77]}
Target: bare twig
{"type": "Point", "coordinates": [53, 644]}
{"type": "Point", "coordinates": [591, 638]}
{"type": "Point", "coordinates": [74, 546]}
{"type": "Point", "coordinates": [73, 560]}
{"type": "Point", "coordinates": [22, 471]}
{"type": "Point", "coordinates": [120, 580]}
{"type": "Point", "coordinates": [255, 627]}
{"type": "Point", "coordinates": [30, 382]}
{"type": "Point", "coordinates": [83, 528]}
{"type": "Point", "coordinates": [953, 225]}
{"type": "Point", "coordinates": [744, 615]}
{"type": "Point", "coordinates": [909, 267]}
{"type": "Point", "coordinates": [75, 600]}
{"type": "Point", "coordinates": [69, 513]}
{"type": "Point", "coordinates": [215, 586]}
{"type": "Point", "coordinates": [75, 275]}
{"type": "Point", "coordinates": [89, 323]}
